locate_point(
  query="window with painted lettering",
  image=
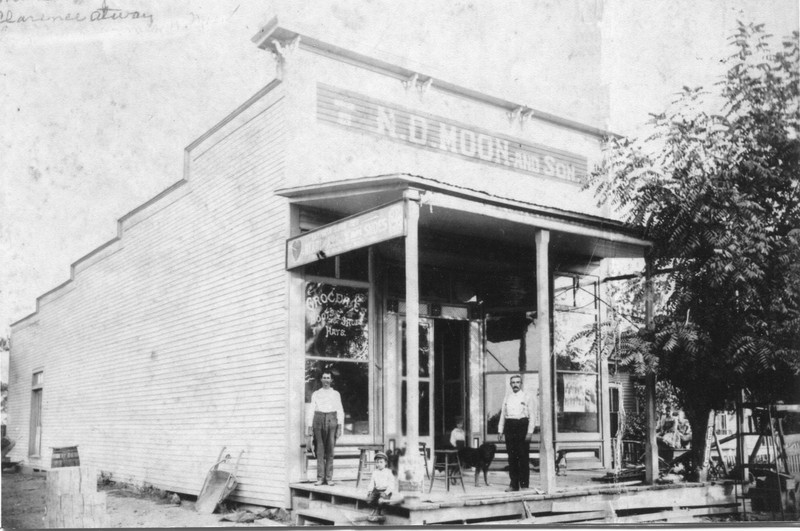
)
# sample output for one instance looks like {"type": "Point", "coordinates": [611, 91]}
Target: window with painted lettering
{"type": "Point", "coordinates": [337, 340]}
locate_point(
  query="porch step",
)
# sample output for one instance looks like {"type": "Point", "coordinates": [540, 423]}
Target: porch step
{"type": "Point", "coordinates": [331, 514]}
{"type": "Point", "coordinates": [339, 505]}
{"type": "Point", "coordinates": [610, 512]}
{"type": "Point", "coordinates": [313, 517]}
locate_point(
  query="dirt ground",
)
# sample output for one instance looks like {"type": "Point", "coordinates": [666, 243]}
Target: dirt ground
{"type": "Point", "coordinates": [23, 504]}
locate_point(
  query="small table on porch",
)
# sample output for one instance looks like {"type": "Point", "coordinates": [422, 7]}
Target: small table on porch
{"type": "Point", "coordinates": [366, 461]}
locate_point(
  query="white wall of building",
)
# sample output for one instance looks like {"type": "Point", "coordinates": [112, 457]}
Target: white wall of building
{"type": "Point", "coordinates": [168, 344]}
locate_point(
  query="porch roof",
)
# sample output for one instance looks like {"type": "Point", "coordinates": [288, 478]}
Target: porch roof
{"type": "Point", "coordinates": [463, 211]}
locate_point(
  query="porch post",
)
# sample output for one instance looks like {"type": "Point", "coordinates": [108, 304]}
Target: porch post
{"type": "Point", "coordinates": [741, 456]}
{"type": "Point", "coordinates": [412, 321]}
{"type": "Point", "coordinates": [547, 462]}
{"type": "Point", "coordinates": [295, 347]}
{"type": "Point", "coordinates": [651, 446]}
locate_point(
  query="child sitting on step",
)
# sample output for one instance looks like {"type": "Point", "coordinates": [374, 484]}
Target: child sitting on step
{"type": "Point", "coordinates": [380, 487]}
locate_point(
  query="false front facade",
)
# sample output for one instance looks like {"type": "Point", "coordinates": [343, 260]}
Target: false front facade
{"type": "Point", "coordinates": [348, 202]}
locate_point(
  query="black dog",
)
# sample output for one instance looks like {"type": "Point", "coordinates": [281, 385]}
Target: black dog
{"type": "Point", "coordinates": [480, 458]}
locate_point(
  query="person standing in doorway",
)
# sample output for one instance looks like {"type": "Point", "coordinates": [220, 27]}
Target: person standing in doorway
{"type": "Point", "coordinates": [516, 427]}
{"type": "Point", "coordinates": [325, 422]}
{"type": "Point", "coordinates": [458, 436]}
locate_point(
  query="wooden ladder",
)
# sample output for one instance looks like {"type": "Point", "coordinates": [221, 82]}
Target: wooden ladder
{"type": "Point", "coordinates": [772, 473]}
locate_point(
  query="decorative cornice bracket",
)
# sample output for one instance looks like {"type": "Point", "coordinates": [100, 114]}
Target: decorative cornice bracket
{"type": "Point", "coordinates": [423, 86]}
{"type": "Point", "coordinates": [515, 114]}
{"type": "Point", "coordinates": [283, 50]}
{"type": "Point", "coordinates": [410, 81]}
{"type": "Point", "coordinates": [521, 114]}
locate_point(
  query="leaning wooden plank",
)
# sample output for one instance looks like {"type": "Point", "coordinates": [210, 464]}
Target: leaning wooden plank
{"type": "Point", "coordinates": [526, 510]}
{"type": "Point", "coordinates": [531, 508]}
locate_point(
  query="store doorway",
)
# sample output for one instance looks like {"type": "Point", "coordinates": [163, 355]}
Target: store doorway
{"type": "Point", "coordinates": [450, 365]}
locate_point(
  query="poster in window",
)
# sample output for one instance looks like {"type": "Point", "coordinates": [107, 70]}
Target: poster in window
{"type": "Point", "coordinates": [336, 321]}
{"type": "Point", "coordinates": [579, 393]}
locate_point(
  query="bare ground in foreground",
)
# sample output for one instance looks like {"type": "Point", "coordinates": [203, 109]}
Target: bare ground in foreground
{"type": "Point", "coordinates": [23, 507]}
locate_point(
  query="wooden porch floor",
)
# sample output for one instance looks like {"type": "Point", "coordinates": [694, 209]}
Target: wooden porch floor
{"type": "Point", "coordinates": [343, 504]}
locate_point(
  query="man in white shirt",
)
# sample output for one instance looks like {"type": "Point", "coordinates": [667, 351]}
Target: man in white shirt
{"type": "Point", "coordinates": [516, 426]}
{"type": "Point", "coordinates": [325, 421]}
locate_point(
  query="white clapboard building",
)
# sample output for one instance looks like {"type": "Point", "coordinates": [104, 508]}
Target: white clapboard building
{"type": "Point", "coordinates": [350, 199]}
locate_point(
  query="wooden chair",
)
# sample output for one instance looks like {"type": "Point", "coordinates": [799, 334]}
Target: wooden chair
{"type": "Point", "coordinates": [448, 464]}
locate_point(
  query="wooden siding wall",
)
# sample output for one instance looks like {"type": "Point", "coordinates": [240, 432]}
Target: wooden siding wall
{"type": "Point", "coordinates": [623, 379]}
{"type": "Point", "coordinates": [171, 344]}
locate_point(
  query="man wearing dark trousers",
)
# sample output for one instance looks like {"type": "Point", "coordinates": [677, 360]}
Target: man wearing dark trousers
{"type": "Point", "coordinates": [516, 426]}
{"type": "Point", "coordinates": [325, 422]}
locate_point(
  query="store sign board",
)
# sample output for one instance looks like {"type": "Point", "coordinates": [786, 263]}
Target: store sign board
{"type": "Point", "coordinates": [434, 133]}
{"type": "Point", "coordinates": [362, 230]}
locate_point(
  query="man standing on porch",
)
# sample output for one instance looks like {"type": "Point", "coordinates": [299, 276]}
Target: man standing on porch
{"type": "Point", "coordinates": [516, 426]}
{"type": "Point", "coordinates": [325, 421]}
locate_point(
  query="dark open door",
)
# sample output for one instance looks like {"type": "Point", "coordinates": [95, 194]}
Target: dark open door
{"type": "Point", "coordinates": [450, 352]}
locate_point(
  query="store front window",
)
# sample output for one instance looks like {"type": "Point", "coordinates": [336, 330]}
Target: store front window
{"type": "Point", "coordinates": [337, 340]}
{"type": "Point", "coordinates": [511, 338]}
{"type": "Point", "coordinates": [576, 350]}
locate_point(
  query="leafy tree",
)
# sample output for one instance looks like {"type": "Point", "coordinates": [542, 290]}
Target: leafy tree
{"type": "Point", "coordinates": [636, 422]}
{"type": "Point", "coordinates": [715, 186]}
